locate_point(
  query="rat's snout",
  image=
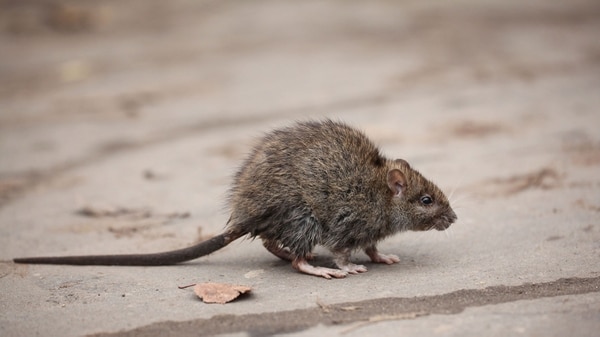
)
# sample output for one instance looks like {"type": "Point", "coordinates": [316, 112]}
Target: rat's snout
{"type": "Point", "coordinates": [452, 216]}
{"type": "Point", "coordinates": [445, 220]}
{"type": "Point", "coordinates": [441, 226]}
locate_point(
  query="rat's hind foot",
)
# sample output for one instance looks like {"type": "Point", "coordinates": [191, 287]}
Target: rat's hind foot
{"type": "Point", "coordinates": [301, 265]}
{"type": "Point", "coordinates": [377, 257]}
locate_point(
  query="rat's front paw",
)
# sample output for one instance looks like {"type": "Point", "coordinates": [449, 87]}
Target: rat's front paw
{"type": "Point", "coordinates": [387, 258]}
{"type": "Point", "coordinates": [377, 257]}
{"type": "Point", "coordinates": [352, 268]}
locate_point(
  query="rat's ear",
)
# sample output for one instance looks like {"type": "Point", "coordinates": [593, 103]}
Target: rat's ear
{"type": "Point", "coordinates": [396, 181]}
{"type": "Point", "coordinates": [402, 162]}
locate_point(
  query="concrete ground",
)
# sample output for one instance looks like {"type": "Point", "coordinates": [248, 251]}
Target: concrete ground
{"type": "Point", "coordinates": [121, 124]}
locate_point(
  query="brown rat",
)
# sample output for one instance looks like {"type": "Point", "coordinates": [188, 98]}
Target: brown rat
{"type": "Point", "coordinates": [314, 183]}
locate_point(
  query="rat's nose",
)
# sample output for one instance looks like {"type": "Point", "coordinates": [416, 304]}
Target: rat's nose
{"type": "Point", "coordinates": [452, 216]}
{"type": "Point", "coordinates": [445, 220]}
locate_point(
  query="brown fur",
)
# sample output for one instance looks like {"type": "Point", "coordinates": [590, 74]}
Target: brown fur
{"type": "Point", "coordinates": [325, 183]}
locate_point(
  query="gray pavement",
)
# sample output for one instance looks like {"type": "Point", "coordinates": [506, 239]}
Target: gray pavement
{"type": "Point", "coordinates": [145, 109]}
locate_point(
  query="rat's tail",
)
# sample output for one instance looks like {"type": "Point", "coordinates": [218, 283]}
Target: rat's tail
{"type": "Point", "coordinates": [156, 259]}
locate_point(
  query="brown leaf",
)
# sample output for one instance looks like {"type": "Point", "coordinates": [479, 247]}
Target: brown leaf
{"type": "Point", "coordinates": [219, 292]}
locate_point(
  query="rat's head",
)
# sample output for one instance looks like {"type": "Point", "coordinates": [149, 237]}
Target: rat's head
{"type": "Point", "coordinates": [419, 204]}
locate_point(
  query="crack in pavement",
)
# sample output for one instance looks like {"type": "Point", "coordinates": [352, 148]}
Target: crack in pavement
{"type": "Point", "coordinates": [392, 308]}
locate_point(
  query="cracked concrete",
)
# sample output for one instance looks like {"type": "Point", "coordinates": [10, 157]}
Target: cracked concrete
{"type": "Point", "coordinates": [367, 312]}
{"type": "Point", "coordinates": [149, 107]}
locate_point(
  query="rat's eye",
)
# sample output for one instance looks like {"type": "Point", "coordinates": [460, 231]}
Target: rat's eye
{"type": "Point", "coordinates": [426, 200]}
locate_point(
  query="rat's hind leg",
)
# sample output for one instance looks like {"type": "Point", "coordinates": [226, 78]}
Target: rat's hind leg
{"type": "Point", "coordinates": [301, 265]}
{"type": "Point", "coordinates": [278, 250]}
{"type": "Point", "coordinates": [342, 260]}
{"type": "Point", "coordinates": [377, 257]}
{"type": "Point", "coordinates": [283, 252]}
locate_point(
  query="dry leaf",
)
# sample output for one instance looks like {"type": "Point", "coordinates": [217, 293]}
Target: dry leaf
{"type": "Point", "coordinates": [219, 292]}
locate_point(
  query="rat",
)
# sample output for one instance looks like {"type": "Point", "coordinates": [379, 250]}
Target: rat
{"type": "Point", "coordinates": [317, 182]}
